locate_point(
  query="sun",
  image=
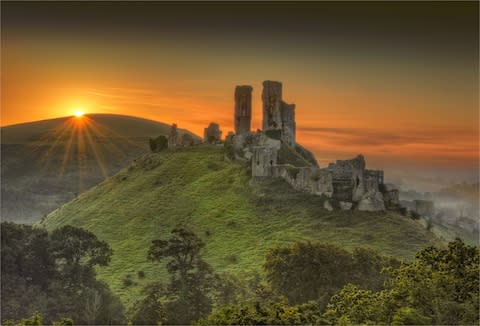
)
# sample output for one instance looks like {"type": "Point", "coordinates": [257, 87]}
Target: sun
{"type": "Point", "coordinates": [79, 114]}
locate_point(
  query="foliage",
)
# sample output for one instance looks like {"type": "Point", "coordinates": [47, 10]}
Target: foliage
{"type": "Point", "coordinates": [37, 319]}
{"type": "Point", "coordinates": [149, 310]}
{"type": "Point", "coordinates": [306, 154]}
{"type": "Point", "coordinates": [292, 171]}
{"type": "Point", "coordinates": [54, 275]}
{"type": "Point", "coordinates": [414, 215]}
{"type": "Point", "coordinates": [158, 144]}
{"type": "Point", "coordinates": [274, 134]}
{"type": "Point", "coordinates": [265, 313]}
{"type": "Point", "coordinates": [440, 287]}
{"type": "Point", "coordinates": [306, 271]}
{"type": "Point", "coordinates": [229, 149]}
{"type": "Point", "coordinates": [212, 139]}
{"type": "Point", "coordinates": [187, 140]}
{"type": "Point", "coordinates": [180, 187]}
{"type": "Point", "coordinates": [191, 278]}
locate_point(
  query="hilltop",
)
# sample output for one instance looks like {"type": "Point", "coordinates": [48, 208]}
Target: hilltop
{"type": "Point", "coordinates": [239, 221]}
{"type": "Point", "coordinates": [47, 163]}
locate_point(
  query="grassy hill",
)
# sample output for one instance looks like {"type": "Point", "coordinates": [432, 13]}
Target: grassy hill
{"type": "Point", "coordinates": [238, 221]}
{"type": "Point", "coordinates": [47, 163]}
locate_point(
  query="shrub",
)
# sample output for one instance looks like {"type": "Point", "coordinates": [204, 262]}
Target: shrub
{"type": "Point", "coordinates": [127, 281]}
{"type": "Point", "coordinates": [231, 259]}
{"type": "Point", "coordinates": [158, 144]}
{"type": "Point", "coordinates": [315, 175]}
{"type": "Point", "coordinates": [274, 134]}
{"type": "Point", "coordinates": [293, 171]}
{"type": "Point", "coordinates": [414, 215]}
{"type": "Point", "coordinates": [141, 274]}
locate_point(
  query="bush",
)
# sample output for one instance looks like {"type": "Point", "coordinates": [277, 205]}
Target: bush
{"type": "Point", "coordinates": [293, 171]}
{"type": "Point", "coordinates": [274, 134]}
{"type": "Point", "coordinates": [158, 144]}
{"type": "Point", "coordinates": [414, 215]}
{"type": "Point", "coordinates": [232, 259]}
{"type": "Point", "coordinates": [141, 274]}
{"type": "Point", "coordinates": [315, 175]}
{"type": "Point", "coordinates": [127, 281]}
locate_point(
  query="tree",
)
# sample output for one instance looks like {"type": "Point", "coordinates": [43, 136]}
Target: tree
{"type": "Point", "coordinates": [78, 246]}
{"type": "Point", "coordinates": [306, 271]}
{"type": "Point", "coordinates": [187, 140]}
{"type": "Point", "coordinates": [149, 310]}
{"type": "Point", "coordinates": [356, 306]}
{"type": "Point", "coordinates": [266, 313]}
{"type": "Point", "coordinates": [191, 278]}
{"type": "Point", "coordinates": [158, 144]}
{"type": "Point", "coordinates": [54, 275]}
{"type": "Point", "coordinates": [440, 286]}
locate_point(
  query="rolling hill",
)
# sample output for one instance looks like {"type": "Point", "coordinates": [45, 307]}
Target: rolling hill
{"type": "Point", "coordinates": [47, 163]}
{"type": "Point", "coordinates": [237, 220]}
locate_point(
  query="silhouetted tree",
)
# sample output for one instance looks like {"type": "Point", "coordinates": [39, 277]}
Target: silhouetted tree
{"type": "Point", "coordinates": [191, 278]}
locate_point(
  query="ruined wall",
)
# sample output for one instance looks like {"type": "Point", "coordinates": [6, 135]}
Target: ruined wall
{"type": "Point", "coordinates": [308, 179]}
{"type": "Point", "coordinates": [212, 133]}
{"type": "Point", "coordinates": [391, 196]}
{"type": "Point", "coordinates": [272, 152]}
{"type": "Point", "coordinates": [288, 123]}
{"type": "Point", "coordinates": [173, 136]}
{"type": "Point", "coordinates": [263, 160]}
{"type": "Point", "coordinates": [425, 207]}
{"type": "Point", "coordinates": [243, 109]}
{"type": "Point", "coordinates": [348, 178]}
{"type": "Point", "coordinates": [272, 98]}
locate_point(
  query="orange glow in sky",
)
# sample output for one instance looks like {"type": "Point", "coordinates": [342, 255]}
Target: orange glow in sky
{"type": "Point", "coordinates": [398, 109]}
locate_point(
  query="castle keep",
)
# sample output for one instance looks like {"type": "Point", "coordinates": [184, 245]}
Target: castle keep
{"type": "Point", "coordinates": [243, 109]}
{"type": "Point", "coordinates": [274, 153]}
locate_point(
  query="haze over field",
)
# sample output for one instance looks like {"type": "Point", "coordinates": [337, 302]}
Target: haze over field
{"type": "Point", "coordinates": [48, 163]}
{"type": "Point", "coordinates": [404, 95]}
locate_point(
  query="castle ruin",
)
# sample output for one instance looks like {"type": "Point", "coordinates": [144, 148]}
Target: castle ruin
{"type": "Point", "coordinates": [278, 115]}
{"type": "Point", "coordinates": [243, 109]}
{"type": "Point", "coordinates": [212, 134]}
{"type": "Point", "coordinates": [274, 153]}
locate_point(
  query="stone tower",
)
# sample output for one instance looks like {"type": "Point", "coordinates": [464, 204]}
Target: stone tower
{"type": "Point", "coordinates": [276, 113]}
{"type": "Point", "coordinates": [272, 98]}
{"type": "Point", "coordinates": [243, 109]}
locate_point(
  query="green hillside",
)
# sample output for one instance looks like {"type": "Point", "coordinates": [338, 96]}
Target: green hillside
{"type": "Point", "coordinates": [238, 221]}
{"type": "Point", "coordinates": [47, 163]}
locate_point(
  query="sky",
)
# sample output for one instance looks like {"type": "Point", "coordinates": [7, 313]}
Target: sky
{"type": "Point", "coordinates": [396, 81]}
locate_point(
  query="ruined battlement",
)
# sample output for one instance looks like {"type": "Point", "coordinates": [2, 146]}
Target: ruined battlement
{"type": "Point", "coordinates": [243, 109]}
{"type": "Point", "coordinates": [273, 153]}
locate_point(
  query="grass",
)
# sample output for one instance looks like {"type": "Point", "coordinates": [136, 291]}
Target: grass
{"type": "Point", "coordinates": [238, 222]}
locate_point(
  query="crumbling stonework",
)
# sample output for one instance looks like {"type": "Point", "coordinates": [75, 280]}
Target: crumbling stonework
{"type": "Point", "coordinates": [391, 195]}
{"type": "Point", "coordinates": [273, 153]}
{"type": "Point", "coordinates": [263, 161]}
{"type": "Point", "coordinates": [173, 136]}
{"type": "Point", "coordinates": [243, 109]}
{"type": "Point", "coordinates": [425, 208]}
{"type": "Point", "coordinates": [212, 133]}
{"type": "Point", "coordinates": [308, 179]}
{"type": "Point", "coordinates": [278, 115]}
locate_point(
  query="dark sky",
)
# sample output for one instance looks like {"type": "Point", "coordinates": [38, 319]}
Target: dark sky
{"type": "Point", "coordinates": [446, 27]}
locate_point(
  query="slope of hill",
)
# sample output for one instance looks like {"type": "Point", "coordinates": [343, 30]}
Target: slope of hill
{"type": "Point", "coordinates": [238, 221]}
{"type": "Point", "coordinates": [47, 163]}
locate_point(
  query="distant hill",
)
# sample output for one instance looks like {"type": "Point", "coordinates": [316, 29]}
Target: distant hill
{"type": "Point", "coordinates": [238, 221]}
{"type": "Point", "coordinates": [47, 163]}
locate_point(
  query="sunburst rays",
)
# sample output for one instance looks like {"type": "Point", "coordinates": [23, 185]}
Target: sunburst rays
{"type": "Point", "coordinates": [81, 146]}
